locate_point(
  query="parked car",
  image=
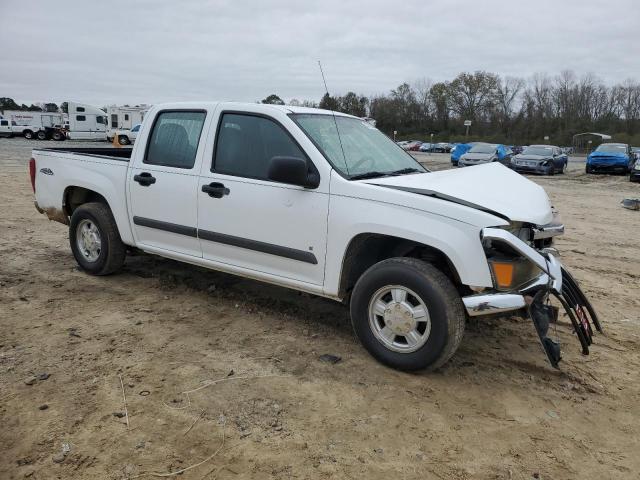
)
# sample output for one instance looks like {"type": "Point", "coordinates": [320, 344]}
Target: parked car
{"type": "Point", "coordinates": [415, 147]}
{"type": "Point", "coordinates": [634, 175]}
{"type": "Point", "coordinates": [127, 137]}
{"type": "Point", "coordinates": [459, 150]}
{"type": "Point", "coordinates": [426, 147]}
{"type": "Point", "coordinates": [610, 157]}
{"type": "Point", "coordinates": [411, 144]}
{"type": "Point", "coordinates": [442, 147]}
{"type": "Point", "coordinates": [544, 159]}
{"type": "Point", "coordinates": [266, 192]}
{"type": "Point", "coordinates": [486, 153]}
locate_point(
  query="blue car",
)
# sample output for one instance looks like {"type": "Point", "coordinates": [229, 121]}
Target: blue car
{"type": "Point", "coordinates": [611, 157]}
{"type": "Point", "coordinates": [459, 150]}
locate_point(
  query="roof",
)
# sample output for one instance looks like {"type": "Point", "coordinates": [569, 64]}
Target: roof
{"type": "Point", "coordinates": [286, 109]}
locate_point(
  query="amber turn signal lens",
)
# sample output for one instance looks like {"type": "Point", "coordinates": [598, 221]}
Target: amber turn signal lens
{"type": "Point", "coordinates": [503, 273]}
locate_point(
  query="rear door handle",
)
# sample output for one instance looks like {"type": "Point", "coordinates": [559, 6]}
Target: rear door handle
{"type": "Point", "coordinates": [215, 190]}
{"type": "Point", "coordinates": [145, 179]}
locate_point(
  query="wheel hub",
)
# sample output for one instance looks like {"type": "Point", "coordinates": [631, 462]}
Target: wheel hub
{"type": "Point", "coordinates": [88, 240]}
{"type": "Point", "coordinates": [399, 319]}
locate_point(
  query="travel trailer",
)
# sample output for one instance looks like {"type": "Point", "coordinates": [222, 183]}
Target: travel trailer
{"type": "Point", "coordinates": [86, 122]}
{"type": "Point", "coordinates": [123, 118]}
{"type": "Point", "coordinates": [40, 125]}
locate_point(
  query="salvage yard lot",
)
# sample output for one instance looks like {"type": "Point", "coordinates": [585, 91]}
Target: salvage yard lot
{"type": "Point", "coordinates": [496, 410]}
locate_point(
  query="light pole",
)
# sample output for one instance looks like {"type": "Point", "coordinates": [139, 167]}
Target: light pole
{"type": "Point", "coordinates": [431, 144]}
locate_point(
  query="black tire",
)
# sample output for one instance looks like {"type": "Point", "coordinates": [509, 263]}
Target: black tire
{"type": "Point", "coordinates": [587, 169]}
{"type": "Point", "coordinates": [57, 136]}
{"type": "Point", "coordinates": [444, 305]}
{"type": "Point", "coordinates": [112, 251]}
{"type": "Point", "coordinates": [41, 135]}
{"type": "Point", "coordinates": [552, 170]}
{"type": "Point", "coordinates": [28, 134]}
{"type": "Point", "coordinates": [123, 140]}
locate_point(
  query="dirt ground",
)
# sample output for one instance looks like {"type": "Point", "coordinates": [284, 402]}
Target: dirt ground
{"type": "Point", "coordinates": [262, 403]}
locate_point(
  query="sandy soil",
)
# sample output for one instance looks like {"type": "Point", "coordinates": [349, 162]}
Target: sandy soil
{"type": "Point", "coordinates": [497, 410]}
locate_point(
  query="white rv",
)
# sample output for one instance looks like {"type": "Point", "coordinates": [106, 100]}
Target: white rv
{"type": "Point", "coordinates": [29, 124]}
{"type": "Point", "coordinates": [86, 122]}
{"type": "Point", "coordinates": [122, 118]}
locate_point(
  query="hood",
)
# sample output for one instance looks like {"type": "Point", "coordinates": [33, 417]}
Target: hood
{"type": "Point", "coordinates": [491, 187]}
{"type": "Point", "coordinates": [607, 155]}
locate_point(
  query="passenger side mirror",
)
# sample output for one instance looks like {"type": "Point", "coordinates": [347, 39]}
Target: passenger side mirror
{"type": "Point", "coordinates": [294, 171]}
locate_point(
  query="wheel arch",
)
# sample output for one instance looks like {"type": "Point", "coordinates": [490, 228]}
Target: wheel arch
{"type": "Point", "coordinates": [74, 196]}
{"type": "Point", "coordinates": [366, 249]}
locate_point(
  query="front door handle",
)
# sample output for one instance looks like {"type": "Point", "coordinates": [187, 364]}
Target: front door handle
{"type": "Point", "coordinates": [145, 179]}
{"type": "Point", "coordinates": [215, 190]}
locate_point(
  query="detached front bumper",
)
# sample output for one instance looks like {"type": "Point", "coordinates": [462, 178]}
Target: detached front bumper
{"type": "Point", "coordinates": [553, 280]}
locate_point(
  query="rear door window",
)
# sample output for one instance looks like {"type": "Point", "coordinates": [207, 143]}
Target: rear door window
{"type": "Point", "coordinates": [174, 138]}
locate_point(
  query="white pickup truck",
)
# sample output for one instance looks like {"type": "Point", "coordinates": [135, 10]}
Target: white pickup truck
{"type": "Point", "coordinates": [324, 203]}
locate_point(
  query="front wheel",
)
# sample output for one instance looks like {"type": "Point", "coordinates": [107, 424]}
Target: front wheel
{"type": "Point", "coordinates": [123, 140]}
{"type": "Point", "coordinates": [407, 314]}
{"type": "Point", "coordinates": [41, 135]}
{"type": "Point", "coordinates": [95, 240]}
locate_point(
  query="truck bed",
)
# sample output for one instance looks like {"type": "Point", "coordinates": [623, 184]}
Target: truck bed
{"type": "Point", "coordinates": [122, 154]}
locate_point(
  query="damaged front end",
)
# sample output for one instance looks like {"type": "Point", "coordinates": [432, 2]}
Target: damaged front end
{"type": "Point", "coordinates": [526, 274]}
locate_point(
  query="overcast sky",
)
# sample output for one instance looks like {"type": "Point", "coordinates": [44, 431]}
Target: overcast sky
{"type": "Point", "coordinates": [150, 51]}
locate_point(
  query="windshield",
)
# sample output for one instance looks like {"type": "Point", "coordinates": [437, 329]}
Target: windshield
{"type": "Point", "coordinates": [366, 149]}
{"type": "Point", "coordinates": [612, 147]}
{"type": "Point", "coordinates": [483, 148]}
{"type": "Point", "coordinates": [533, 150]}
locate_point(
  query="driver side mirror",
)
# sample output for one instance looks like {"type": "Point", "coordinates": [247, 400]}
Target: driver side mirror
{"type": "Point", "coordinates": [294, 171]}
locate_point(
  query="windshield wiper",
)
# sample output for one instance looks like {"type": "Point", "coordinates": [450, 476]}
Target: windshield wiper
{"type": "Point", "coordinates": [376, 174]}
{"type": "Point", "coordinates": [363, 176]}
{"type": "Point", "coordinates": [404, 171]}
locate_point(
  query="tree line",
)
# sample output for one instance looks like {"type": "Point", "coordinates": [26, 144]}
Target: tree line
{"type": "Point", "coordinates": [7, 103]}
{"type": "Point", "coordinates": [507, 109]}
{"type": "Point", "coordinates": [510, 110]}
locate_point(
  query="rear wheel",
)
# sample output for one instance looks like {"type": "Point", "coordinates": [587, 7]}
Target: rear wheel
{"type": "Point", "coordinates": [95, 240]}
{"type": "Point", "coordinates": [407, 314]}
{"type": "Point", "coordinates": [28, 134]}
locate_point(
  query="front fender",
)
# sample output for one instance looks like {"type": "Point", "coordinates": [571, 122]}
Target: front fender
{"type": "Point", "coordinates": [459, 241]}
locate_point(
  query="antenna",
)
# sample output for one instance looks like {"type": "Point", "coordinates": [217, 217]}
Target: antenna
{"type": "Point", "coordinates": [333, 114]}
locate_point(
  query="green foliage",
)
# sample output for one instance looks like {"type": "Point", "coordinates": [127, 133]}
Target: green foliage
{"type": "Point", "coordinates": [273, 99]}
